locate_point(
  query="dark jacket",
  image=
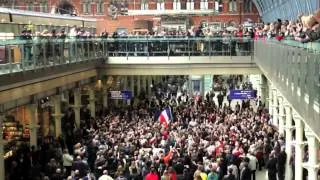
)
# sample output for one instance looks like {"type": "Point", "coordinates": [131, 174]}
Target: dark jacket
{"type": "Point", "coordinates": [81, 166]}
{"type": "Point", "coordinates": [245, 174]}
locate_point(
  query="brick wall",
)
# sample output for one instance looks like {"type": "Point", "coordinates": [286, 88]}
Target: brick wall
{"type": "Point", "coordinates": [105, 22]}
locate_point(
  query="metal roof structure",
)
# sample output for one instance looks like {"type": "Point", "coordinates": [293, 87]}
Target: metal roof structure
{"type": "Point", "coordinates": [271, 10]}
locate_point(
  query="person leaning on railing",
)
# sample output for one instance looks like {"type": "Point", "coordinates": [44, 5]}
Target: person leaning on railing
{"type": "Point", "coordinates": [26, 34]}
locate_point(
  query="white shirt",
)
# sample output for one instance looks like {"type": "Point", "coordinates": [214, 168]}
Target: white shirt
{"type": "Point", "coordinates": [253, 162]}
{"type": "Point", "coordinates": [67, 160]}
{"type": "Point", "coordinates": [105, 177]}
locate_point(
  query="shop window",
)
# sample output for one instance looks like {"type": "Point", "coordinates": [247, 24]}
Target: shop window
{"type": "Point", "coordinates": [144, 5]}
{"type": "Point", "coordinates": [176, 5]}
{"type": "Point", "coordinates": [247, 6]}
{"type": "Point", "coordinates": [100, 7]}
{"type": "Point", "coordinates": [232, 5]}
{"type": "Point", "coordinates": [204, 4]}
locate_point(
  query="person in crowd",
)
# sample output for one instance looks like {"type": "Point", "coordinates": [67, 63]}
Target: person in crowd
{"type": "Point", "coordinates": [105, 176]}
{"type": "Point", "coordinates": [203, 141]}
{"type": "Point", "coordinates": [272, 166]}
{"type": "Point", "coordinates": [245, 173]}
{"type": "Point", "coordinates": [253, 161]}
{"type": "Point", "coordinates": [281, 162]}
{"type": "Point", "coordinates": [230, 175]}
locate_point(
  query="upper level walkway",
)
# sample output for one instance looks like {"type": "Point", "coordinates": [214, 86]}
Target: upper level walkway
{"type": "Point", "coordinates": [294, 69]}
{"type": "Point", "coordinates": [204, 54]}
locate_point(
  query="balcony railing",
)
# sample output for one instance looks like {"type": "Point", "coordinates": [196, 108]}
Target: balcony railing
{"type": "Point", "coordinates": [22, 55]}
{"type": "Point", "coordinates": [175, 46]}
{"type": "Point", "coordinates": [295, 71]}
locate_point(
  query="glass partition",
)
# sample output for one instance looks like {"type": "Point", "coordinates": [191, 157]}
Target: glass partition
{"type": "Point", "coordinates": [172, 46]}
{"type": "Point", "coordinates": [40, 52]}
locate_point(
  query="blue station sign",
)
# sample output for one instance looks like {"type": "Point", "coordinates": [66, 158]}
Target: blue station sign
{"type": "Point", "coordinates": [243, 94]}
{"type": "Point", "coordinates": [125, 95]}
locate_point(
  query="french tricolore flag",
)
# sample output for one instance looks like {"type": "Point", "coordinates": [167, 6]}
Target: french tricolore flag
{"type": "Point", "coordinates": [165, 117]}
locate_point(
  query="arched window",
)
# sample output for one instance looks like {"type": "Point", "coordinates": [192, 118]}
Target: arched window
{"type": "Point", "coordinates": [204, 4]}
{"type": "Point", "coordinates": [176, 5]}
{"type": "Point", "coordinates": [160, 5]}
{"type": "Point", "coordinates": [232, 5]}
{"type": "Point", "coordinates": [100, 7]}
{"type": "Point", "coordinates": [144, 5]}
{"type": "Point", "coordinates": [247, 6]}
{"type": "Point", "coordinates": [190, 5]}
{"type": "Point", "coordinates": [86, 7]}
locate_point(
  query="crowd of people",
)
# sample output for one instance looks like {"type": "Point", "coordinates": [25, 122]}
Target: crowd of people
{"type": "Point", "coordinates": [204, 141]}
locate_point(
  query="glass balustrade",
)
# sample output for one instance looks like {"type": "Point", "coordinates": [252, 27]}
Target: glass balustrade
{"type": "Point", "coordinates": [295, 71]}
{"type": "Point", "coordinates": [22, 55]}
{"type": "Point", "coordinates": [174, 46]}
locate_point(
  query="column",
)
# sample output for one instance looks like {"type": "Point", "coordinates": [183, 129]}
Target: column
{"type": "Point", "coordinates": [281, 115]}
{"type": "Point", "coordinates": [105, 96]}
{"type": "Point", "coordinates": [118, 87]}
{"type": "Point", "coordinates": [275, 109]}
{"type": "Point", "coordinates": [92, 102]}
{"type": "Point", "coordinates": [125, 83]}
{"type": "Point", "coordinates": [138, 85]}
{"type": "Point", "coordinates": [2, 144]}
{"type": "Point", "coordinates": [132, 85]}
{"type": "Point", "coordinates": [33, 126]}
{"type": "Point", "coordinates": [144, 84]}
{"type": "Point", "coordinates": [66, 97]}
{"type": "Point", "coordinates": [270, 100]}
{"type": "Point", "coordinates": [149, 87]}
{"type": "Point", "coordinates": [77, 106]}
{"type": "Point", "coordinates": [57, 115]}
{"type": "Point", "coordinates": [313, 145]}
{"type": "Point", "coordinates": [289, 129]}
{"type": "Point", "coordinates": [298, 147]}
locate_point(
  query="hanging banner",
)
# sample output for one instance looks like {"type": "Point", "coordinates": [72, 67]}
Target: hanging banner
{"type": "Point", "coordinates": [243, 94]}
{"type": "Point", "coordinates": [126, 95]}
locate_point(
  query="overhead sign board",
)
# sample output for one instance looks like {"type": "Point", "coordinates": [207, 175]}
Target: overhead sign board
{"type": "Point", "coordinates": [243, 94]}
{"type": "Point", "coordinates": [126, 95]}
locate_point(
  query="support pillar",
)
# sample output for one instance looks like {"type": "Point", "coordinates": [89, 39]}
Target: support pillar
{"type": "Point", "coordinates": [118, 81]}
{"type": "Point", "coordinates": [33, 126]}
{"type": "Point", "coordinates": [57, 115]}
{"type": "Point", "coordinates": [275, 119]}
{"type": "Point", "coordinates": [66, 97]}
{"type": "Point", "coordinates": [299, 144]}
{"type": "Point", "coordinates": [138, 85]}
{"type": "Point", "coordinates": [92, 102]}
{"type": "Point", "coordinates": [125, 83]}
{"type": "Point", "coordinates": [289, 128]}
{"type": "Point", "coordinates": [132, 85]}
{"type": "Point", "coordinates": [149, 87]}
{"type": "Point", "coordinates": [312, 165]}
{"type": "Point", "coordinates": [270, 98]}
{"type": "Point", "coordinates": [2, 144]}
{"type": "Point", "coordinates": [281, 115]}
{"type": "Point", "coordinates": [105, 96]}
{"type": "Point", "coordinates": [77, 106]}
{"type": "Point", "coordinates": [144, 84]}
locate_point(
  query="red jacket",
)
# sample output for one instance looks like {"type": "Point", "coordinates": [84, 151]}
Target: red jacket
{"type": "Point", "coordinates": [152, 176]}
